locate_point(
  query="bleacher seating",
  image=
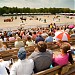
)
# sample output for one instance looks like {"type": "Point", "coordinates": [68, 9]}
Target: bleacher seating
{"type": "Point", "coordinates": [9, 44]}
{"type": "Point", "coordinates": [72, 41]}
{"type": "Point", "coordinates": [12, 53]}
{"type": "Point", "coordinates": [52, 45]}
{"type": "Point", "coordinates": [6, 55]}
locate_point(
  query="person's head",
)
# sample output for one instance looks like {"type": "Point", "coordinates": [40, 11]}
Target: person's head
{"type": "Point", "coordinates": [65, 47]}
{"type": "Point", "coordinates": [60, 41]}
{"type": "Point", "coordinates": [74, 31]}
{"type": "Point", "coordinates": [18, 38]}
{"type": "Point", "coordinates": [17, 35]}
{"type": "Point", "coordinates": [57, 28]}
{"type": "Point", "coordinates": [42, 46]}
{"type": "Point", "coordinates": [22, 53]}
{"type": "Point", "coordinates": [30, 33]}
{"type": "Point", "coordinates": [34, 32]}
{"type": "Point", "coordinates": [49, 34]}
{"type": "Point", "coordinates": [29, 38]}
{"type": "Point", "coordinates": [2, 37]}
{"type": "Point", "coordinates": [10, 35]}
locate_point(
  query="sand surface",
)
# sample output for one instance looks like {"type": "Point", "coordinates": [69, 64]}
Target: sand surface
{"type": "Point", "coordinates": [16, 23]}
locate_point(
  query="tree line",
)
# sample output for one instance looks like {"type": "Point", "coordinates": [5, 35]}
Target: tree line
{"type": "Point", "coordinates": [12, 10]}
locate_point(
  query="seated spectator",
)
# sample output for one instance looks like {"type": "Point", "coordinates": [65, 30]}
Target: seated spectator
{"type": "Point", "coordinates": [34, 35]}
{"type": "Point", "coordinates": [44, 34]}
{"type": "Point", "coordinates": [39, 38]}
{"type": "Point", "coordinates": [23, 66]}
{"type": "Point", "coordinates": [2, 37]}
{"type": "Point", "coordinates": [21, 33]}
{"type": "Point", "coordinates": [16, 35]}
{"type": "Point", "coordinates": [4, 67]}
{"type": "Point", "coordinates": [5, 39]}
{"type": "Point", "coordinates": [19, 43]}
{"type": "Point", "coordinates": [64, 57]}
{"type": "Point", "coordinates": [42, 57]}
{"type": "Point", "coordinates": [29, 41]}
{"type": "Point", "coordinates": [9, 33]}
{"type": "Point", "coordinates": [11, 38]}
{"type": "Point", "coordinates": [49, 38]}
{"type": "Point", "coordinates": [24, 36]}
{"type": "Point", "coordinates": [59, 43]}
{"type": "Point", "coordinates": [2, 47]}
{"type": "Point", "coordinates": [73, 35]}
{"type": "Point", "coordinates": [3, 70]}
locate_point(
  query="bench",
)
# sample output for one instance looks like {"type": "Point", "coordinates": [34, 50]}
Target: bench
{"type": "Point", "coordinates": [52, 45]}
{"type": "Point", "coordinates": [29, 50]}
{"type": "Point", "coordinates": [72, 41]}
{"type": "Point", "coordinates": [12, 53]}
{"type": "Point", "coordinates": [9, 44]}
{"type": "Point", "coordinates": [51, 71]}
{"type": "Point", "coordinates": [6, 55]}
{"type": "Point", "coordinates": [58, 70]}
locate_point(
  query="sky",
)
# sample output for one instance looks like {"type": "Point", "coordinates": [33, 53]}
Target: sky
{"type": "Point", "coordinates": [39, 3]}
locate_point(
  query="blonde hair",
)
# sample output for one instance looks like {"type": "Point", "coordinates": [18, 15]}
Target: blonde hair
{"type": "Point", "coordinates": [18, 39]}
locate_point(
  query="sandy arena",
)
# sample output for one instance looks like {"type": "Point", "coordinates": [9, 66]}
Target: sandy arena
{"type": "Point", "coordinates": [16, 23]}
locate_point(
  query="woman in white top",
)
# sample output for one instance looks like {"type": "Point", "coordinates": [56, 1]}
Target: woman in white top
{"type": "Point", "coordinates": [29, 41]}
{"type": "Point", "coordinates": [19, 43]}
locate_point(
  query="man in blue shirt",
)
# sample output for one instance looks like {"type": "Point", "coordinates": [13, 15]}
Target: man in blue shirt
{"type": "Point", "coordinates": [49, 38]}
{"type": "Point", "coordinates": [39, 38]}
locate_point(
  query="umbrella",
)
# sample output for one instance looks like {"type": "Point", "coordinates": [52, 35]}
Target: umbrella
{"type": "Point", "coordinates": [57, 33]}
{"type": "Point", "coordinates": [71, 26]}
{"type": "Point", "coordinates": [63, 36]}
